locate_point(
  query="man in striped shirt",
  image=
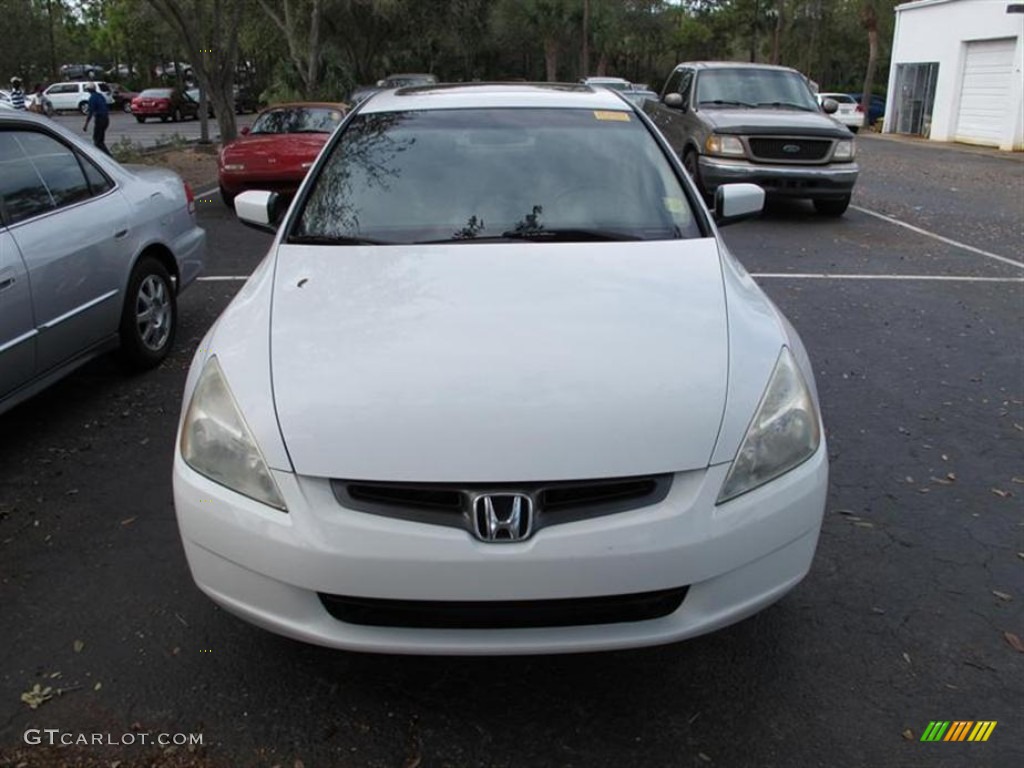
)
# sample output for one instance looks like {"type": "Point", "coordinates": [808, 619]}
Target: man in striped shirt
{"type": "Point", "coordinates": [17, 94]}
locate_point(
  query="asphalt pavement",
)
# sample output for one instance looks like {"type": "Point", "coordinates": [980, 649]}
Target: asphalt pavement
{"type": "Point", "coordinates": [911, 308]}
{"type": "Point", "coordinates": [153, 132]}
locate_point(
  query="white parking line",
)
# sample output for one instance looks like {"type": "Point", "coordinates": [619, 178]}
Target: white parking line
{"type": "Point", "coordinates": [940, 238]}
{"type": "Point", "coordinates": [206, 192]}
{"type": "Point", "coordinates": [935, 278]}
{"type": "Point", "coordinates": [222, 278]}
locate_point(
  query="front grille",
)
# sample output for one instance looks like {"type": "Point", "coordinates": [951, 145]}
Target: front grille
{"type": "Point", "coordinates": [451, 504]}
{"type": "Point", "coordinates": [504, 614]}
{"type": "Point", "coordinates": [792, 150]}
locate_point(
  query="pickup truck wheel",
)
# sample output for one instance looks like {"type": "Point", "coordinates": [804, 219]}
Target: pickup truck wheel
{"type": "Point", "coordinates": [692, 167]}
{"type": "Point", "coordinates": [832, 207]}
{"type": "Point", "coordinates": [228, 198]}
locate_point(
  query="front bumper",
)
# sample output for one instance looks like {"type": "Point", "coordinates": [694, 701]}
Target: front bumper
{"type": "Point", "coordinates": [268, 567]}
{"type": "Point", "coordinates": [832, 181]}
{"type": "Point", "coordinates": [285, 182]}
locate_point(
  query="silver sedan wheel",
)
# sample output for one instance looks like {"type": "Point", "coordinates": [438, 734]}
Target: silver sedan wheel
{"type": "Point", "coordinates": [153, 312]}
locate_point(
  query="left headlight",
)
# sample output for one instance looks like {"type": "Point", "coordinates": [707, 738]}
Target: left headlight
{"type": "Point", "coordinates": [844, 150]}
{"type": "Point", "coordinates": [785, 432]}
{"type": "Point", "coordinates": [216, 441]}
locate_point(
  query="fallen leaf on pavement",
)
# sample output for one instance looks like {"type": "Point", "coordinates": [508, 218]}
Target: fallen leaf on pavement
{"type": "Point", "coordinates": [1001, 493]}
{"type": "Point", "coordinates": [78, 646]}
{"type": "Point", "coordinates": [908, 735]}
{"type": "Point", "coordinates": [37, 696]}
{"type": "Point", "coordinates": [906, 657]}
{"type": "Point", "coordinates": [1001, 595]}
{"type": "Point", "coordinates": [864, 524]}
{"type": "Point", "coordinates": [128, 521]}
{"type": "Point", "coordinates": [1012, 639]}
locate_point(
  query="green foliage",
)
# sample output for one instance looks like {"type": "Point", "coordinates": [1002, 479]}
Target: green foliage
{"type": "Point", "coordinates": [364, 40]}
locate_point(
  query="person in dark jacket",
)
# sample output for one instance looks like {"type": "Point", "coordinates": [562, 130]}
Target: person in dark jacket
{"type": "Point", "coordinates": [99, 113]}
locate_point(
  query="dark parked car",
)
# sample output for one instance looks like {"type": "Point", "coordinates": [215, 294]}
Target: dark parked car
{"type": "Point", "coordinates": [756, 123]}
{"type": "Point", "coordinates": [122, 97]}
{"type": "Point", "coordinates": [165, 103]}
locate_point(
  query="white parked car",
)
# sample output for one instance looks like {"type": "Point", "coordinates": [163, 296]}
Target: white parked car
{"type": "Point", "coordinates": [499, 388]}
{"type": "Point", "coordinates": [850, 113]}
{"type": "Point", "coordinates": [92, 256]}
{"type": "Point", "coordinates": [66, 97]}
{"type": "Point", "coordinates": [615, 83]}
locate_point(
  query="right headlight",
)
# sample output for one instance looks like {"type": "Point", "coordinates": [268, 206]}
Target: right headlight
{"type": "Point", "coordinates": [726, 146]}
{"type": "Point", "coordinates": [784, 433]}
{"type": "Point", "coordinates": [216, 441]}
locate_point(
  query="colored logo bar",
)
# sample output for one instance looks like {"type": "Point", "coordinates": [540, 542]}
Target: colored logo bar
{"type": "Point", "coordinates": [958, 730]}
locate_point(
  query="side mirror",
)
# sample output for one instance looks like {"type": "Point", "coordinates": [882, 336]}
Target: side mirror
{"type": "Point", "coordinates": [259, 209]}
{"type": "Point", "coordinates": [735, 202]}
{"type": "Point", "coordinates": [829, 106]}
{"type": "Point", "coordinates": [381, 83]}
{"type": "Point", "coordinates": [674, 100]}
{"type": "Point", "coordinates": [244, 130]}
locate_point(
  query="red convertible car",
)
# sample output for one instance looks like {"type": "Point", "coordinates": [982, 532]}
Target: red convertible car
{"type": "Point", "coordinates": [279, 148]}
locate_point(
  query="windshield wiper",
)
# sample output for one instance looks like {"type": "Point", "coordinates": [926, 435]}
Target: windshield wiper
{"type": "Point", "coordinates": [566, 235]}
{"type": "Point", "coordinates": [334, 240]}
{"type": "Point", "coordinates": [791, 105]}
{"type": "Point", "coordinates": [729, 103]}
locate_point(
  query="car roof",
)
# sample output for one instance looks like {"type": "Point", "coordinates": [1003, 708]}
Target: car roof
{"type": "Point", "coordinates": [491, 95]}
{"type": "Point", "coordinates": [19, 115]}
{"type": "Point", "coordinates": [732, 65]}
{"type": "Point", "coordinates": [307, 104]}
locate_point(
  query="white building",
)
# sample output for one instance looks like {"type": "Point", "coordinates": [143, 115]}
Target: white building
{"type": "Point", "coordinates": [957, 72]}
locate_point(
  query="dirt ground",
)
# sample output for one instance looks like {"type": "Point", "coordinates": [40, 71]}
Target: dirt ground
{"type": "Point", "coordinates": [196, 165]}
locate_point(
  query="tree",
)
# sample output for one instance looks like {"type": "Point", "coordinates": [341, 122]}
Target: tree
{"type": "Point", "coordinates": [303, 37]}
{"type": "Point", "coordinates": [549, 21]}
{"type": "Point", "coordinates": [869, 17]}
{"type": "Point", "coordinates": [209, 31]}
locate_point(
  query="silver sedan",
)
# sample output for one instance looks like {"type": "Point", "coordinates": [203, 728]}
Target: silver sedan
{"type": "Point", "coordinates": [92, 256]}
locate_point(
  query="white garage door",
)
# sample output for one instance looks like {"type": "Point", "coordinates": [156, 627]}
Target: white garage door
{"type": "Point", "coordinates": [984, 96]}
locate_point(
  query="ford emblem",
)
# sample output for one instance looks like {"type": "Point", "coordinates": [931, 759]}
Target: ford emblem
{"type": "Point", "coordinates": [791, 148]}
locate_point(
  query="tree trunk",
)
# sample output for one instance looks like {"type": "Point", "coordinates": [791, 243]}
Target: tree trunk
{"type": "Point", "coordinates": [585, 52]}
{"type": "Point", "coordinates": [780, 22]}
{"type": "Point", "coordinates": [870, 19]}
{"type": "Point", "coordinates": [602, 64]}
{"type": "Point", "coordinates": [551, 59]}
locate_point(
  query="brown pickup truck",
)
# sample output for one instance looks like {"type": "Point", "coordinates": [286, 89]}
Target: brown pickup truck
{"type": "Point", "coordinates": [735, 122]}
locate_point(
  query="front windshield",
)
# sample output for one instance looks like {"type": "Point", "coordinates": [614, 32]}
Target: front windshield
{"type": "Point", "coordinates": [298, 120]}
{"type": "Point", "coordinates": [475, 174]}
{"type": "Point", "coordinates": [751, 87]}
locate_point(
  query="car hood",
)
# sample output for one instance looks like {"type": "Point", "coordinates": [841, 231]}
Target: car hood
{"type": "Point", "coordinates": [499, 362]}
{"type": "Point", "coordinates": [281, 146]}
{"type": "Point", "coordinates": [767, 121]}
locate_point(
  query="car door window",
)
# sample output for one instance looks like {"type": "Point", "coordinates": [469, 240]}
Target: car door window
{"type": "Point", "coordinates": [22, 191]}
{"type": "Point", "coordinates": [686, 85]}
{"type": "Point", "coordinates": [58, 166]}
{"type": "Point", "coordinates": [99, 182]}
{"type": "Point", "coordinates": [672, 86]}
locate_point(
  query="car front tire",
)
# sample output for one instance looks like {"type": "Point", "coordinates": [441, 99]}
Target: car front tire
{"type": "Point", "coordinates": [832, 207]}
{"type": "Point", "coordinates": [140, 118]}
{"type": "Point", "coordinates": [150, 315]}
{"type": "Point", "coordinates": [227, 197]}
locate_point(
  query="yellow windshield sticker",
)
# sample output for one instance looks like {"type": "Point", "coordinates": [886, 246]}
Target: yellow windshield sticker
{"type": "Point", "coordinates": [674, 204]}
{"type": "Point", "coordinates": [621, 117]}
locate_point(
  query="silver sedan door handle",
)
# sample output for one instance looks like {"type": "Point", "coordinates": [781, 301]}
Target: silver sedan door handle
{"type": "Point", "coordinates": [7, 282]}
{"type": "Point", "coordinates": [120, 233]}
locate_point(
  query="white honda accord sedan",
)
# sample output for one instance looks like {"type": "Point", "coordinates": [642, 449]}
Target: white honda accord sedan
{"type": "Point", "coordinates": [499, 388]}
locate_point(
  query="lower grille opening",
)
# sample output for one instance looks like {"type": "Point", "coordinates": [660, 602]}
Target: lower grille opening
{"type": "Point", "coordinates": [504, 614]}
